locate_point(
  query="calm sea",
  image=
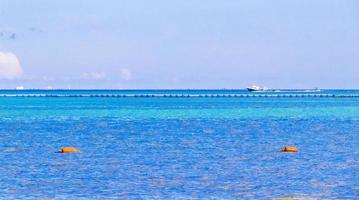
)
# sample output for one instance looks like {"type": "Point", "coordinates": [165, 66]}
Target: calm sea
{"type": "Point", "coordinates": [178, 147]}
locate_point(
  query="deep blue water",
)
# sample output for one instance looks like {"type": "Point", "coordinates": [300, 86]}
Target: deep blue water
{"type": "Point", "coordinates": [178, 148]}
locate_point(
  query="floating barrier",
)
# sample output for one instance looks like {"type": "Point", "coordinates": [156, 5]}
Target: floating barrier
{"type": "Point", "coordinates": [188, 95]}
{"type": "Point", "coordinates": [290, 149]}
{"type": "Point", "coordinates": [68, 150]}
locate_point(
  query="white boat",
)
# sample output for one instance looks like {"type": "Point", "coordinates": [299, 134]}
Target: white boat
{"type": "Point", "coordinates": [313, 90]}
{"type": "Point", "coordinates": [255, 88]}
{"type": "Point", "coordinates": [19, 88]}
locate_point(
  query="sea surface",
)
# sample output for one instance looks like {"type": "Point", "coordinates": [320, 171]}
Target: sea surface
{"type": "Point", "coordinates": [176, 147]}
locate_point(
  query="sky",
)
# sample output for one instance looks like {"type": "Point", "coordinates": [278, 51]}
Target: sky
{"type": "Point", "coordinates": [142, 44]}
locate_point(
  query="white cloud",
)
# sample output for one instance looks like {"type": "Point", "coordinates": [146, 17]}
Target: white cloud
{"type": "Point", "coordinates": [93, 76]}
{"type": "Point", "coordinates": [125, 74]}
{"type": "Point", "coordinates": [9, 66]}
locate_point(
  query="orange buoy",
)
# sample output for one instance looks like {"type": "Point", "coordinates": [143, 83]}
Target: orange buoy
{"type": "Point", "coordinates": [68, 150]}
{"type": "Point", "coordinates": [290, 149]}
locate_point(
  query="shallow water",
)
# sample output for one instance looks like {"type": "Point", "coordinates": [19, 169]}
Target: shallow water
{"type": "Point", "coordinates": [179, 148]}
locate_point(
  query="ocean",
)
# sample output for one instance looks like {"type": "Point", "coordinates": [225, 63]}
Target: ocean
{"type": "Point", "coordinates": [179, 144]}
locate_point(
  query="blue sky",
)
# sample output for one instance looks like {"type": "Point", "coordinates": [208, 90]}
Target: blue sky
{"type": "Point", "coordinates": [179, 43]}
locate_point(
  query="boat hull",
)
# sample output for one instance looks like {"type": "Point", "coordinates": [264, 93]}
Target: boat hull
{"type": "Point", "coordinates": [256, 90]}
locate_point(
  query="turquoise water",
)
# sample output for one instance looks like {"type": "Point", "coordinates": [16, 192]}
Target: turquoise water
{"type": "Point", "coordinates": [178, 148]}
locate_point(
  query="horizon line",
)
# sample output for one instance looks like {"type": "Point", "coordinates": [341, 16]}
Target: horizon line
{"type": "Point", "coordinates": [114, 89]}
